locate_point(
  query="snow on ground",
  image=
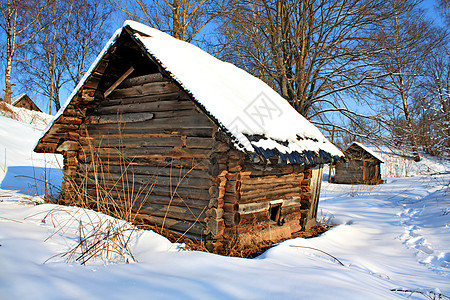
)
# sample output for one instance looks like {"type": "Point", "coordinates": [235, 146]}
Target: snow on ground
{"type": "Point", "coordinates": [399, 165]}
{"type": "Point", "coordinates": [390, 236]}
{"type": "Point", "coordinates": [21, 168]}
{"type": "Point", "coordinates": [38, 119]}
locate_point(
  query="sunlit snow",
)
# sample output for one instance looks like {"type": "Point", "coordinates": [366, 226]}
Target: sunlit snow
{"type": "Point", "coordinates": [390, 236]}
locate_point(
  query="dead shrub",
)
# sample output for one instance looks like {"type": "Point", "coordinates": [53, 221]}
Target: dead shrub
{"type": "Point", "coordinates": [431, 295]}
{"type": "Point", "coordinates": [98, 188]}
{"type": "Point", "coordinates": [117, 194]}
{"type": "Point", "coordinates": [98, 237]}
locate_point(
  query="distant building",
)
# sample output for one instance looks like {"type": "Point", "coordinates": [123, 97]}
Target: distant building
{"type": "Point", "coordinates": [25, 102]}
{"type": "Point", "coordinates": [362, 166]}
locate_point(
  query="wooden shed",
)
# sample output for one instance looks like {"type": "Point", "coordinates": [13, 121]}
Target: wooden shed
{"type": "Point", "coordinates": [362, 166]}
{"type": "Point", "coordinates": [25, 102]}
{"type": "Point", "coordinates": [205, 148]}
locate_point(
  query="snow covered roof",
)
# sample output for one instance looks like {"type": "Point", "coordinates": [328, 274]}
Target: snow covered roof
{"type": "Point", "coordinates": [15, 99]}
{"type": "Point", "coordinates": [254, 114]}
{"type": "Point", "coordinates": [367, 150]}
{"type": "Point", "coordinates": [256, 117]}
{"type": "Point", "coordinates": [25, 102]}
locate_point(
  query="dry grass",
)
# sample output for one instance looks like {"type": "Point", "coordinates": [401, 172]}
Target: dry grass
{"type": "Point", "coordinates": [113, 194]}
{"type": "Point", "coordinates": [116, 195]}
{"type": "Point", "coordinates": [312, 232]}
{"type": "Point", "coordinates": [98, 237]}
{"type": "Point", "coordinates": [431, 295]}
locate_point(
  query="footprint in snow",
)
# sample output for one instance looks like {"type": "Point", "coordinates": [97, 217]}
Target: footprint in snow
{"type": "Point", "coordinates": [440, 260]}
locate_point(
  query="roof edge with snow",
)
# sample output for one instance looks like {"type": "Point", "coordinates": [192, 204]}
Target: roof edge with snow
{"type": "Point", "coordinates": [231, 97]}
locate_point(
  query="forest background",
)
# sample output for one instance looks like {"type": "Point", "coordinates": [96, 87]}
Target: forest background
{"type": "Point", "coordinates": [370, 70]}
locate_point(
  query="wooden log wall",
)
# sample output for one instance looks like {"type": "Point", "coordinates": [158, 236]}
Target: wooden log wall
{"type": "Point", "coordinates": [358, 172]}
{"type": "Point", "coordinates": [148, 142]}
{"type": "Point", "coordinates": [248, 199]}
{"type": "Point", "coordinates": [246, 191]}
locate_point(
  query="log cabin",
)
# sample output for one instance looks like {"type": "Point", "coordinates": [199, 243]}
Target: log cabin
{"type": "Point", "coordinates": [203, 147]}
{"type": "Point", "coordinates": [25, 102]}
{"type": "Point", "coordinates": [362, 166]}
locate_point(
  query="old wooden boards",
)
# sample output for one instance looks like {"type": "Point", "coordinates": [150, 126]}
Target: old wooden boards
{"type": "Point", "coordinates": [147, 140]}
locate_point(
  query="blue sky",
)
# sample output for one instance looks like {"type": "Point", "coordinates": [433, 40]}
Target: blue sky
{"type": "Point", "coordinates": [429, 6]}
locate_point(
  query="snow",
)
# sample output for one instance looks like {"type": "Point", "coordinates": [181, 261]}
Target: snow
{"type": "Point", "coordinates": [35, 118]}
{"type": "Point", "coordinates": [21, 168]}
{"type": "Point", "coordinates": [243, 104]}
{"type": "Point", "coordinates": [16, 98]}
{"type": "Point", "coordinates": [400, 163]}
{"type": "Point", "coordinates": [390, 236]}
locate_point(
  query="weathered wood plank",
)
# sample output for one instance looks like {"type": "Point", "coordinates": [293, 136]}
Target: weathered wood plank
{"type": "Point", "coordinates": [195, 228]}
{"type": "Point", "coordinates": [161, 124]}
{"type": "Point", "coordinates": [140, 197]}
{"type": "Point", "coordinates": [184, 193]}
{"type": "Point", "coordinates": [255, 218]}
{"type": "Point", "coordinates": [152, 107]}
{"type": "Point", "coordinates": [119, 118]}
{"type": "Point", "coordinates": [149, 170]}
{"type": "Point", "coordinates": [147, 140]}
{"type": "Point", "coordinates": [140, 80]}
{"type": "Point", "coordinates": [116, 130]}
{"type": "Point", "coordinates": [174, 212]}
{"type": "Point", "coordinates": [199, 142]}
{"type": "Point", "coordinates": [292, 178]}
{"type": "Point", "coordinates": [161, 162]}
{"type": "Point", "coordinates": [144, 152]}
{"type": "Point", "coordinates": [127, 142]}
{"type": "Point", "coordinates": [267, 170]}
{"type": "Point", "coordinates": [179, 95]}
{"type": "Point", "coordinates": [118, 81]}
{"type": "Point", "coordinates": [249, 189]}
{"type": "Point", "coordinates": [145, 181]}
{"type": "Point", "coordinates": [269, 195]}
{"type": "Point", "coordinates": [69, 120]}
{"type": "Point", "coordinates": [152, 88]}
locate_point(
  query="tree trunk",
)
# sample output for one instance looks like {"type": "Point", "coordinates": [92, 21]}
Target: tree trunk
{"type": "Point", "coordinates": [411, 134]}
{"type": "Point", "coordinates": [176, 20]}
{"type": "Point", "coordinates": [8, 84]}
{"type": "Point", "coordinates": [9, 58]}
{"type": "Point", "coordinates": [52, 84]}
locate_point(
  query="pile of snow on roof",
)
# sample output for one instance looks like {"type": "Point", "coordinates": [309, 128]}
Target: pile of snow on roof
{"type": "Point", "coordinates": [255, 115]}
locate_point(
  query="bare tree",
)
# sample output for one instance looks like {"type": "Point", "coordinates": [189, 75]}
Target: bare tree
{"type": "Point", "coordinates": [434, 112]}
{"type": "Point", "coordinates": [17, 20]}
{"type": "Point", "coordinates": [183, 19]}
{"type": "Point", "coordinates": [406, 40]}
{"type": "Point", "coordinates": [86, 36]}
{"type": "Point", "coordinates": [444, 8]}
{"type": "Point", "coordinates": [58, 56]}
{"type": "Point", "coordinates": [309, 51]}
{"type": "Point", "coordinates": [42, 64]}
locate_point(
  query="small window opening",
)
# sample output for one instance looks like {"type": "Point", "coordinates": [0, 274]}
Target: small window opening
{"type": "Point", "coordinates": [275, 213]}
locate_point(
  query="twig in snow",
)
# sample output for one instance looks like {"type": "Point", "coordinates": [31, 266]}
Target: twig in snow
{"type": "Point", "coordinates": [429, 295]}
{"type": "Point", "coordinates": [11, 220]}
{"type": "Point", "coordinates": [319, 251]}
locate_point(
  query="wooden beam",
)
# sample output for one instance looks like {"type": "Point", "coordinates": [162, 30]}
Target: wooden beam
{"type": "Point", "coordinates": [118, 81]}
{"type": "Point", "coordinates": [119, 118]}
